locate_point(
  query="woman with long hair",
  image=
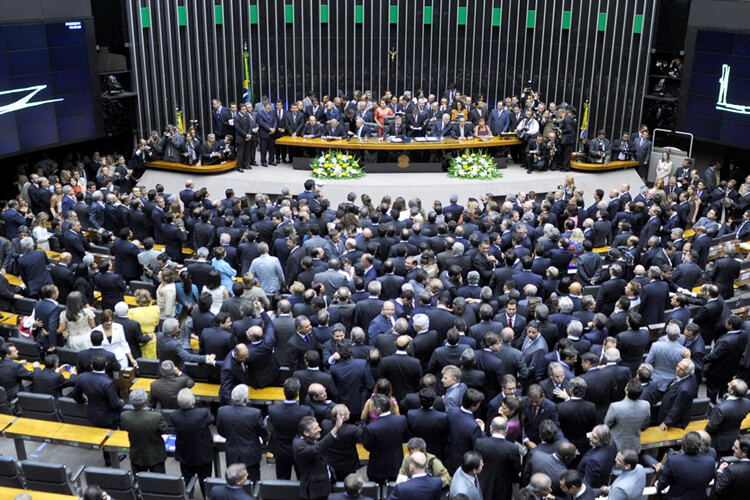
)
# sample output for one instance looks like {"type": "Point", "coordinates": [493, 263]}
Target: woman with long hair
{"type": "Point", "coordinates": [187, 332]}
{"type": "Point", "coordinates": [382, 386]}
{"type": "Point", "coordinates": [77, 320]}
{"type": "Point", "coordinates": [511, 410]}
{"type": "Point", "coordinates": [217, 291]}
{"type": "Point", "coordinates": [186, 290]}
{"type": "Point", "coordinates": [39, 231]}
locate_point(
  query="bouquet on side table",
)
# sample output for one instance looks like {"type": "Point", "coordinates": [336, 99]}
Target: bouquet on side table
{"type": "Point", "coordinates": [473, 165]}
{"type": "Point", "coordinates": [337, 165]}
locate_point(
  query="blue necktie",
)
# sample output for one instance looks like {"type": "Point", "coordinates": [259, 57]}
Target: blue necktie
{"type": "Point", "coordinates": [307, 340]}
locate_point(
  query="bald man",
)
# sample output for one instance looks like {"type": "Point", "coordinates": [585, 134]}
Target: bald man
{"type": "Point", "coordinates": [402, 369]}
{"type": "Point", "coordinates": [233, 372]}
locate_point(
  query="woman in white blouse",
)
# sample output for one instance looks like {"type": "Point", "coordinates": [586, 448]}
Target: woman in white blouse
{"type": "Point", "coordinates": [114, 339]}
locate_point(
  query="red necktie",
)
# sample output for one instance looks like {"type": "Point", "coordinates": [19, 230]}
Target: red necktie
{"type": "Point", "coordinates": [510, 322]}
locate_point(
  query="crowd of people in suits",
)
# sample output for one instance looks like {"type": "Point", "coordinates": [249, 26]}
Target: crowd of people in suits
{"type": "Point", "coordinates": [494, 337]}
{"type": "Point", "coordinates": [548, 132]}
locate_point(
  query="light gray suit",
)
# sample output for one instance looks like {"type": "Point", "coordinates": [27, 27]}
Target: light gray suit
{"type": "Point", "coordinates": [664, 356]}
{"type": "Point", "coordinates": [464, 483]}
{"type": "Point", "coordinates": [629, 485]}
{"type": "Point", "coordinates": [332, 280]}
{"type": "Point", "coordinates": [626, 419]}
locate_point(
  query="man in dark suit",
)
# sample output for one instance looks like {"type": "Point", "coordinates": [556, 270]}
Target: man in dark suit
{"type": "Point", "coordinates": [383, 439]}
{"type": "Point", "coordinates": [32, 266]}
{"type": "Point", "coordinates": [342, 455]}
{"type": "Point", "coordinates": [267, 123]}
{"type": "Point", "coordinates": [688, 472]}
{"type": "Point", "coordinates": [420, 485]}
{"type": "Point", "coordinates": [262, 367]}
{"type": "Point", "coordinates": [47, 318]}
{"type": "Point", "coordinates": [220, 116]}
{"type": "Point", "coordinates": [301, 342]}
{"type": "Point", "coordinates": [111, 286]}
{"type": "Point", "coordinates": [366, 310]}
{"type": "Point", "coordinates": [243, 428]}
{"type": "Point", "coordinates": [312, 374]}
{"type": "Point", "coordinates": [12, 374]}
{"type": "Point", "coordinates": [642, 153]}
{"type": "Point", "coordinates": [194, 441]}
{"type": "Point", "coordinates": [99, 392]}
{"type": "Point", "coordinates": [577, 416]}
{"type": "Point", "coordinates": [75, 243]}
{"type": "Point", "coordinates": [402, 370]}
{"type": "Point", "coordinates": [126, 256]}
{"type": "Point", "coordinates": [726, 417]}
{"type": "Point", "coordinates": [701, 245]}
{"type": "Point", "coordinates": [600, 385]}
{"type": "Point", "coordinates": [63, 276]}
{"type": "Point", "coordinates": [144, 427]}
{"type": "Point", "coordinates": [428, 423]}
{"type": "Point", "coordinates": [352, 378]}
{"type": "Point", "coordinates": [678, 400]}
{"type": "Point", "coordinates": [596, 464]}
{"type": "Point", "coordinates": [723, 362]}
{"type": "Point", "coordinates": [610, 291]}
{"type": "Point", "coordinates": [537, 408]}
{"type": "Point", "coordinates": [725, 271]}
{"type": "Point", "coordinates": [244, 125]}
{"type": "Point", "coordinates": [49, 380]}
{"type": "Point", "coordinates": [310, 457]}
{"type": "Point", "coordinates": [283, 421]}
{"type": "Point", "coordinates": [86, 356]}
{"type": "Point", "coordinates": [654, 298]}
{"type": "Point", "coordinates": [709, 317]}
{"type": "Point", "coordinates": [497, 480]}
{"type": "Point", "coordinates": [166, 388]}
{"type": "Point", "coordinates": [169, 347]}
{"type": "Point", "coordinates": [687, 274]}
{"type": "Point", "coordinates": [734, 482]}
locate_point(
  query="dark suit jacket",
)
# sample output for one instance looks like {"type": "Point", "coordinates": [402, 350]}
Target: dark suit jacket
{"type": "Point", "coordinates": [600, 390]}
{"type": "Point", "coordinates": [418, 488]}
{"type": "Point", "coordinates": [144, 430]}
{"type": "Point", "coordinates": [243, 427]}
{"type": "Point", "coordinates": [354, 382]}
{"type": "Point", "coordinates": [734, 482]}
{"type": "Point", "coordinates": [309, 455]}
{"type": "Point", "coordinates": [296, 348]}
{"type": "Point", "coordinates": [577, 417]}
{"type": "Point", "coordinates": [383, 439]}
{"type": "Point", "coordinates": [103, 403]}
{"type": "Point", "coordinates": [33, 269]}
{"type": "Point", "coordinates": [596, 465]}
{"type": "Point", "coordinates": [497, 481]}
{"type": "Point", "coordinates": [284, 419]}
{"type": "Point", "coordinates": [49, 313]}
{"type": "Point", "coordinates": [723, 274]}
{"type": "Point", "coordinates": [112, 287]}
{"type": "Point", "coordinates": [432, 426]}
{"type": "Point", "coordinates": [194, 443]}
{"type": "Point", "coordinates": [64, 279]}
{"type": "Point", "coordinates": [308, 377]}
{"type": "Point", "coordinates": [48, 381]}
{"type": "Point", "coordinates": [677, 403]}
{"type": "Point", "coordinates": [464, 432]}
{"type": "Point", "coordinates": [11, 376]}
{"type": "Point", "coordinates": [342, 455]}
{"type": "Point", "coordinates": [687, 476]}
{"type": "Point", "coordinates": [654, 301]}
{"type": "Point", "coordinates": [724, 424]}
{"type": "Point", "coordinates": [403, 371]}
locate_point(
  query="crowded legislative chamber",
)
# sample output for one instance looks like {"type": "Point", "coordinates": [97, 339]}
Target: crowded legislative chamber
{"type": "Point", "coordinates": [375, 249]}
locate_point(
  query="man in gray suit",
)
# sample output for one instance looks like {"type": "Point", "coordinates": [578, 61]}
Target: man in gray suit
{"type": "Point", "coordinates": [630, 483]}
{"type": "Point", "coordinates": [664, 356]}
{"type": "Point", "coordinates": [627, 418]}
{"type": "Point", "coordinates": [465, 479]}
{"type": "Point", "coordinates": [331, 279]}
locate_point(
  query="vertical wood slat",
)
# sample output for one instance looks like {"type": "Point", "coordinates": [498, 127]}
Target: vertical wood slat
{"type": "Point", "coordinates": [354, 43]}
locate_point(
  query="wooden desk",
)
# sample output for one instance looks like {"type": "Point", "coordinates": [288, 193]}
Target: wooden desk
{"type": "Point", "coordinates": [654, 438]}
{"type": "Point", "coordinates": [210, 392]}
{"type": "Point", "coordinates": [195, 344]}
{"type": "Point", "coordinates": [688, 233]}
{"type": "Point", "coordinates": [29, 429]}
{"type": "Point", "coordinates": [192, 169]}
{"type": "Point", "coordinates": [53, 255]}
{"type": "Point", "coordinates": [602, 167]}
{"type": "Point", "coordinates": [9, 320]}
{"type": "Point", "coordinates": [81, 436]}
{"type": "Point", "coordinates": [6, 420]}
{"type": "Point", "coordinates": [30, 367]}
{"type": "Point", "coordinates": [376, 145]}
{"type": "Point", "coordinates": [14, 280]}
{"type": "Point", "coordinates": [9, 493]}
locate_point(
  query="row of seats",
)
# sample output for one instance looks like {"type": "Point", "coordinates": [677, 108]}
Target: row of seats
{"type": "Point", "coordinates": [120, 484]}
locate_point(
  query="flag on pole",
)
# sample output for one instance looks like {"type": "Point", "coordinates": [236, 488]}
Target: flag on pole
{"type": "Point", "coordinates": [180, 120]}
{"type": "Point", "coordinates": [247, 92]}
{"type": "Point", "coordinates": [585, 121]}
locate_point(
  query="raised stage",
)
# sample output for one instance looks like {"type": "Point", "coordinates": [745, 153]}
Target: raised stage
{"type": "Point", "coordinates": [426, 186]}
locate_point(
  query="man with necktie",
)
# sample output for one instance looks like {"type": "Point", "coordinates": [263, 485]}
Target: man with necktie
{"type": "Point", "coordinates": [221, 116]}
{"type": "Point", "coordinates": [465, 480]}
{"type": "Point", "coordinates": [643, 153]}
{"type": "Point", "coordinates": [242, 125]}
{"type": "Point", "coordinates": [280, 131]}
{"type": "Point", "coordinates": [267, 124]}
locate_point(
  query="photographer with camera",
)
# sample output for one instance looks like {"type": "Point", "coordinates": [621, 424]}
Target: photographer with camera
{"type": "Point", "coordinates": [553, 156]}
